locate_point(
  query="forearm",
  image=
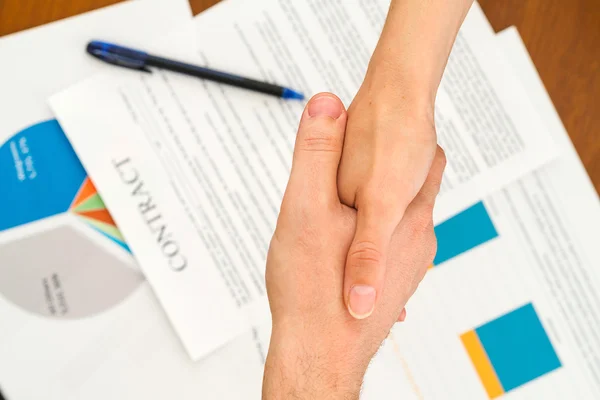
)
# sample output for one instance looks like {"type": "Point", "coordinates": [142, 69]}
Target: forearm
{"type": "Point", "coordinates": [415, 44]}
{"type": "Point", "coordinates": [300, 381]}
{"type": "Point", "coordinates": [302, 369]}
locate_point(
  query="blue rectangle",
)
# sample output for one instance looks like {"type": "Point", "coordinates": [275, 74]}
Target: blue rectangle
{"type": "Point", "coordinates": [518, 347]}
{"type": "Point", "coordinates": [463, 232]}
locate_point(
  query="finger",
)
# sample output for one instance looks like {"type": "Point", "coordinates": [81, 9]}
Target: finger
{"type": "Point", "coordinates": [318, 150]}
{"type": "Point", "coordinates": [419, 222]}
{"type": "Point", "coordinates": [404, 275]}
{"type": "Point", "coordinates": [425, 200]}
{"type": "Point", "coordinates": [366, 263]}
{"type": "Point", "coordinates": [402, 316]}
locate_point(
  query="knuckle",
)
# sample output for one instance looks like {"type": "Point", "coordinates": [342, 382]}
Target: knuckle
{"type": "Point", "coordinates": [365, 253]}
{"type": "Point", "coordinates": [319, 139]}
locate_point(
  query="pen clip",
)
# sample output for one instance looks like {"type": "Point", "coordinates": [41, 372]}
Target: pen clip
{"type": "Point", "coordinates": [120, 60]}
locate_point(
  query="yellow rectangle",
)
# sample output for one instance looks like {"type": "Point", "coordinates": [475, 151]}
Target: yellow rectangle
{"type": "Point", "coordinates": [482, 364]}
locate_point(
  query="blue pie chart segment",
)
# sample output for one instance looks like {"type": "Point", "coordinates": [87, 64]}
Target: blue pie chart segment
{"type": "Point", "coordinates": [40, 175]}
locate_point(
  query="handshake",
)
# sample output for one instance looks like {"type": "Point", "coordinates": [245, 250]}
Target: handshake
{"type": "Point", "coordinates": [353, 240]}
{"type": "Point", "coordinates": [355, 234]}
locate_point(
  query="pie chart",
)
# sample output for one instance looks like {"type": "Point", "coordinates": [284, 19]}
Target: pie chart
{"type": "Point", "coordinates": [61, 253]}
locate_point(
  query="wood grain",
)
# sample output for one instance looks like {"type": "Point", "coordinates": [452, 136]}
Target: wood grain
{"type": "Point", "coordinates": [563, 38]}
{"type": "Point", "coordinates": [200, 5]}
{"type": "Point", "coordinates": [17, 15]}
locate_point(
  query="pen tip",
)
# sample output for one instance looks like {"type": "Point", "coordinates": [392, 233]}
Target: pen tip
{"type": "Point", "coordinates": [292, 94]}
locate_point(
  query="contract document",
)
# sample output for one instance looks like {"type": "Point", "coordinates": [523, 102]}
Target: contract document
{"type": "Point", "coordinates": [193, 172]}
{"type": "Point", "coordinates": [69, 287]}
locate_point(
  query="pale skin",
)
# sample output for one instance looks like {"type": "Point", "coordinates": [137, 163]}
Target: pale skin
{"type": "Point", "coordinates": [390, 139]}
{"type": "Point", "coordinates": [355, 235]}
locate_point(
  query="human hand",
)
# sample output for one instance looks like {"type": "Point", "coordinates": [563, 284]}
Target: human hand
{"type": "Point", "coordinates": [389, 148]}
{"type": "Point", "coordinates": [317, 350]}
{"type": "Point", "coordinates": [390, 140]}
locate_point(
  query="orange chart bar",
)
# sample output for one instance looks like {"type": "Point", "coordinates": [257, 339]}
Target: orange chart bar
{"type": "Point", "coordinates": [482, 364]}
{"type": "Point", "coordinates": [511, 351]}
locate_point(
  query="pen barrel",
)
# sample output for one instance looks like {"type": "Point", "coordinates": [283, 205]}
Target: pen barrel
{"type": "Point", "coordinates": [216, 76]}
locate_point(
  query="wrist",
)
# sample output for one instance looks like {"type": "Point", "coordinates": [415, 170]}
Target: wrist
{"type": "Point", "coordinates": [393, 84]}
{"type": "Point", "coordinates": [415, 44]}
{"type": "Point", "coordinates": [391, 91]}
{"type": "Point", "coordinates": [306, 369]}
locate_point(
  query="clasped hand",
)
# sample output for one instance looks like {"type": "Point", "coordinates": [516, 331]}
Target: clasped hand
{"type": "Point", "coordinates": [318, 348]}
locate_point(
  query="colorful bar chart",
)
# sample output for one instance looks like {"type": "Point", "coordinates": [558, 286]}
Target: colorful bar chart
{"type": "Point", "coordinates": [463, 232]}
{"type": "Point", "coordinates": [510, 351]}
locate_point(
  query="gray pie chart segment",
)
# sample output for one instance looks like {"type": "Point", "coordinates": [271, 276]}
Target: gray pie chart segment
{"type": "Point", "coordinates": [61, 273]}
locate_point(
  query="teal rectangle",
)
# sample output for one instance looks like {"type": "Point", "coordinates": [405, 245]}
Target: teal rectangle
{"type": "Point", "coordinates": [518, 347]}
{"type": "Point", "coordinates": [463, 232]}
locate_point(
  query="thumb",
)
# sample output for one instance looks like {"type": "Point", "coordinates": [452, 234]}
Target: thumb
{"type": "Point", "coordinates": [318, 150]}
{"type": "Point", "coordinates": [365, 266]}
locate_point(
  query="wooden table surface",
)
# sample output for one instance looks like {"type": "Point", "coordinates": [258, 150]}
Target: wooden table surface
{"type": "Point", "coordinates": [562, 36]}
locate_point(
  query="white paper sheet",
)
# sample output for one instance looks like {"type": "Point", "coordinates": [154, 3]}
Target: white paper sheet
{"type": "Point", "coordinates": [215, 159]}
{"type": "Point", "coordinates": [69, 293]}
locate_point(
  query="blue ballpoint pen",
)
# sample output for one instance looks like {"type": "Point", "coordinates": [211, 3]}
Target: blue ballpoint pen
{"type": "Point", "coordinates": [139, 60]}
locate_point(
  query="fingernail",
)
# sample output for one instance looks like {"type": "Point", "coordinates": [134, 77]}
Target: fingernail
{"type": "Point", "coordinates": [325, 106]}
{"type": "Point", "coordinates": [361, 301]}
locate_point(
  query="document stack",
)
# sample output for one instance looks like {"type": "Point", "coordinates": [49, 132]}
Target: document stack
{"type": "Point", "coordinates": [91, 306]}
